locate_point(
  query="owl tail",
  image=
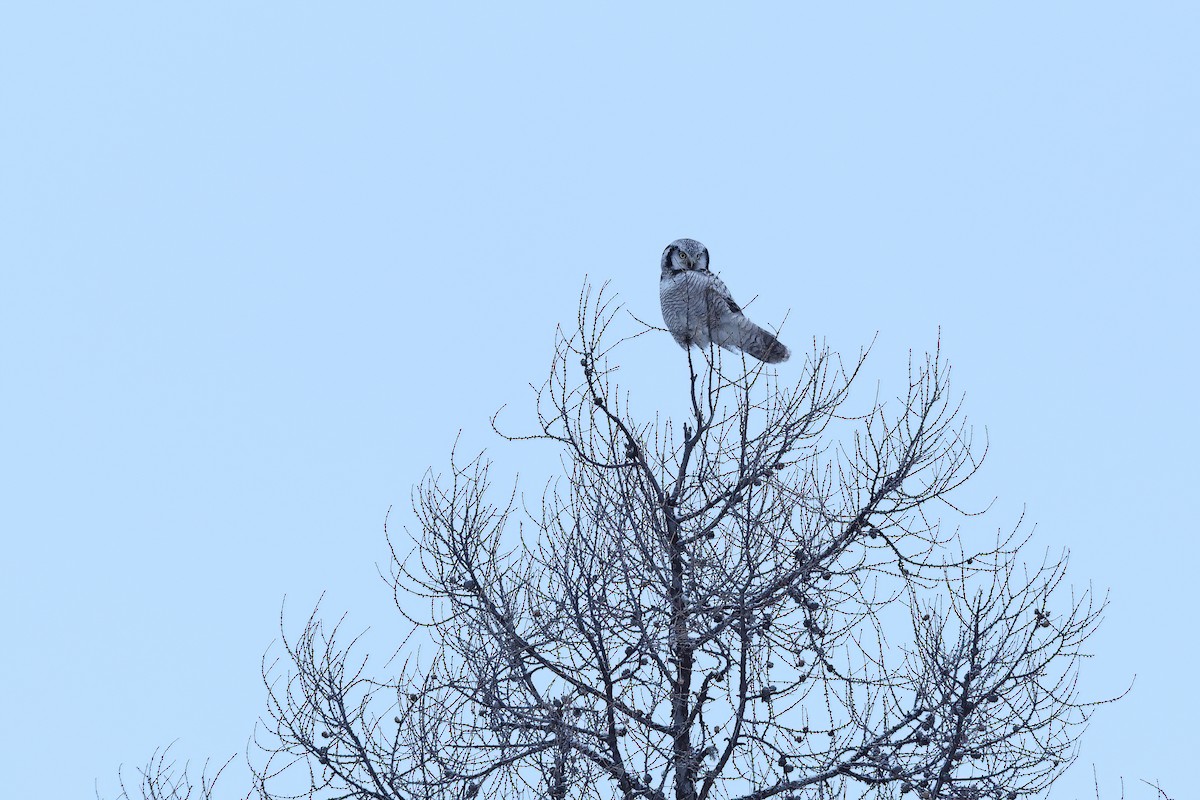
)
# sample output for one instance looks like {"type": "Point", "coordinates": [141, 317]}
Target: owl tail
{"type": "Point", "coordinates": [739, 333]}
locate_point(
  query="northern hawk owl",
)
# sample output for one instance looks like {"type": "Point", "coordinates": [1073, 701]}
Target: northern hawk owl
{"type": "Point", "coordinates": [698, 310]}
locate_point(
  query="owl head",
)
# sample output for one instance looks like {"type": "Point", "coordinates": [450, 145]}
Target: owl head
{"type": "Point", "coordinates": [683, 254]}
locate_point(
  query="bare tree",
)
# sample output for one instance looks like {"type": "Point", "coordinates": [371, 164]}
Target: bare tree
{"type": "Point", "coordinates": [163, 778]}
{"type": "Point", "coordinates": [762, 601]}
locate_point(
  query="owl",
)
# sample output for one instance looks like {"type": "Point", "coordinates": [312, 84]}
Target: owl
{"type": "Point", "coordinates": [698, 310]}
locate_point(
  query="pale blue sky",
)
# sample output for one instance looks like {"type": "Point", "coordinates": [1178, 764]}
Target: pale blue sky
{"type": "Point", "coordinates": [261, 261]}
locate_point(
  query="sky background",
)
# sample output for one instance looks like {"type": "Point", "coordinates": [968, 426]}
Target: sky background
{"type": "Point", "coordinates": [261, 262]}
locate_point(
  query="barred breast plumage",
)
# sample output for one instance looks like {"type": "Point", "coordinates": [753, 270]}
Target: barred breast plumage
{"type": "Point", "coordinates": [698, 309]}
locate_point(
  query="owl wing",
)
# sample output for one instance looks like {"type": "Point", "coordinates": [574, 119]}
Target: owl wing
{"type": "Point", "coordinates": [719, 303]}
{"type": "Point", "coordinates": [733, 330]}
